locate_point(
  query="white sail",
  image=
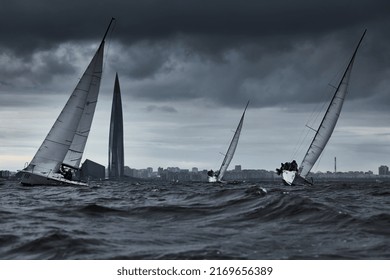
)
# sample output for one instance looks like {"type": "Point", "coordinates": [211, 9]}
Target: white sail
{"type": "Point", "coordinates": [232, 147]}
{"type": "Point", "coordinates": [65, 142]}
{"type": "Point", "coordinates": [90, 84]}
{"type": "Point", "coordinates": [329, 121]}
{"type": "Point", "coordinates": [56, 145]}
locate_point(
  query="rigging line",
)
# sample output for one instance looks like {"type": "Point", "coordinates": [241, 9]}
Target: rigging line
{"type": "Point", "coordinates": [299, 143]}
{"type": "Point", "coordinates": [299, 147]}
{"type": "Point", "coordinates": [315, 114]}
{"type": "Point", "coordinates": [310, 121]}
{"type": "Point", "coordinates": [311, 128]}
{"type": "Point", "coordinates": [303, 138]}
{"type": "Point", "coordinates": [324, 96]}
{"type": "Point", "coordinates": [319, 107]}
{"type": "Point", "coordinates": [320, 111]}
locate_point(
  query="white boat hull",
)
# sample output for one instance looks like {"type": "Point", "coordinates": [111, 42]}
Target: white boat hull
{"type": "Point", "coordinates": [31, 179]}
{"type": "Point", "coordinates": [292, 178]}
{"type": "Point", "coordinates": [212, 179]}
{"type": "Point", "coordinates": [289, 177]}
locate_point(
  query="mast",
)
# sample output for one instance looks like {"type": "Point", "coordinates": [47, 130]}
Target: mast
{"type": "Point", "coordinates": [105, 33]}
{"type": "Point", "coordinates": [108, 28]}
{"type": "Point", "coordinates": [329, 120]}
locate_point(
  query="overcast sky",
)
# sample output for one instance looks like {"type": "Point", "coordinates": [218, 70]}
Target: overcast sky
{"type": "Point", "coordinates": [187, 69]}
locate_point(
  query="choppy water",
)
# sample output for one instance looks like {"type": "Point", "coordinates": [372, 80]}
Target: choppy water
{"type": "Point", "coordinates": [149, 220]}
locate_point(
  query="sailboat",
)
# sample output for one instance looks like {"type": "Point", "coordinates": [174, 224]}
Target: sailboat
{"type": "Point", "coordinates": [218, 176]}
{"type": "Point", "coordinates": [290, 173]}
{"type": "Point", "coordinates": [58, 159]}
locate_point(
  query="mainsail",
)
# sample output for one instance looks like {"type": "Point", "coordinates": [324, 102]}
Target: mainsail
{"type": "Point", "coordinates": [65, 142]}
{"type": "Point", "coordinates": [232, 147]}
{"type": "Point", "coordinates": [329, 120]}
{"type": "Point", "coordinates": [90, 84]}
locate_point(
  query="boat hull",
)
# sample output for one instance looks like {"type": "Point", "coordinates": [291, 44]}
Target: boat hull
{"type": "Point", "coordinates": [31, 179]}
{"type": "Point", "coordinates": [292, 178]}
{"type": "Point", "coordinates": [212, 179]}
{"type": "Point", "coordinates": [288, 177]}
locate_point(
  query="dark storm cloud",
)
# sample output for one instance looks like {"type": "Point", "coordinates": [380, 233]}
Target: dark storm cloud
{"type": "Point", "coordinates": [39, 67]}
{"type": "Point", "coordinates": [272, 52]}
{"type": "Point", "coordinates": [31, 24]}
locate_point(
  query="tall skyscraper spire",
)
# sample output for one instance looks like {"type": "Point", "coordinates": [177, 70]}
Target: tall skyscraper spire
{"type": "Point", "coordinates": [115, 150]}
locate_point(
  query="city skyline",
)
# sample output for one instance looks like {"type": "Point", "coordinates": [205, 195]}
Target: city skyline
{"type": "Point", "coordinates": [187, 70]}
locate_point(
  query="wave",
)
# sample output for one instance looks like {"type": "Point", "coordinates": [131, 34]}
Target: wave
{"type": "Point", "coordinates": [196, 221]}
{"type": "Point", "coordinates": [97, 209]}
{"type": "Point", "coordinates": [7, 239]}
{"type": "Point", "coordinates": [55, 244]}
{"type": "Point", "coordinates": [301, 210]}
{"type": "Point", "coordinates": [378, 224]}
{"type": "Point", "coordinates": [195, 254]}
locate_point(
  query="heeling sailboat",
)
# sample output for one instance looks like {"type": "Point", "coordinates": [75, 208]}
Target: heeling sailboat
{"type": "Point", "coordinates": [289, 173]}
{"type": "Point", "coordinates": [61, 152]}
{"type": "Point", "coordinates": [218, 176]}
